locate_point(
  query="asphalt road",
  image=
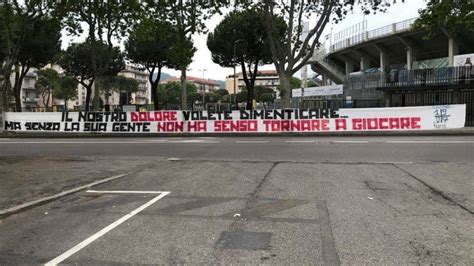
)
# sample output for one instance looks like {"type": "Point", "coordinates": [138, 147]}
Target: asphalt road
{"type": "Point", "coordinates": [273, 200]}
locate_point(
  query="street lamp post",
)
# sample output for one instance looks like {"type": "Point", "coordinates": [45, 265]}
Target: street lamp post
{"type": "Point", "coordinates": [235, 75]}
{"type": "Point", "coordinates": [235, 82]}
{"type": "Point", "coordinates": [203, 87]}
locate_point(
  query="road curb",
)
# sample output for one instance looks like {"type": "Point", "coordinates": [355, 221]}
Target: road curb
{"type": "Point", "coordinates": [451, 132]}
{"type": "Point", "coordinates": [27, 205]}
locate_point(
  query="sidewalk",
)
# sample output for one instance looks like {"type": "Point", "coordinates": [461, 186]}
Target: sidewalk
{"type": "Point", "coordinates": [467, 131]}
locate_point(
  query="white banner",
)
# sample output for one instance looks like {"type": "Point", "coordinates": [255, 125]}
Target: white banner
{"type": "Point", "coordinates": [394, 118]}
{"type": "Point", "coordinates": [466, 60]}
{"type": "Point", "coordinates": [266, 121]}
{"type": "Point", "coordinates": [318, 91]}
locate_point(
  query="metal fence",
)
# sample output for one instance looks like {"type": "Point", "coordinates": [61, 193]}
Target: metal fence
{"type": "Point", "coordinates": [421, 98]}
{"type": "Point", "coordinates": [461, 75]}
{"type": "Point", "coordinates": [337, 104]}
{"type": "Point", "coordinates": [402, 26]}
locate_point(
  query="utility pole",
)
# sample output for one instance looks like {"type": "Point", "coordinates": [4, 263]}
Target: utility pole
{"type": "Point", "coordinates": [235, 82]}
{"type": "Point", "coordinates": [203, 87]}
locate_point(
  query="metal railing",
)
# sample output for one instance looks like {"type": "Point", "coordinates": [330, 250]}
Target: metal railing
{"type": "Point", "coordinates": [398, 27]}
{"type": "Point", "coordinates": [462, 75]}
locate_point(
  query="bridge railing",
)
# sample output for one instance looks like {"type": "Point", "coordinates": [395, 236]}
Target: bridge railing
{"type": "Point", "coordinates": [461, 75]}
{"type": "Point", "coordinates": [398, 27]}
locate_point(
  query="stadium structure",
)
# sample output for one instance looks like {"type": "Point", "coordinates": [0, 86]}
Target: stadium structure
{"type": "Point", "coordinates": [394, 66]}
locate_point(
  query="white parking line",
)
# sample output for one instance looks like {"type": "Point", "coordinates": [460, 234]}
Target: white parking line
{"type": "Point", "coordinates": [429, 142]}
{"type": "Point", "coordinates": [108, 228]}
{"type": "Point", "coordinates": [200, 141]}
{"type": "Point", "coordinates": [351, 141]}
{"type": "Point", "coordinates": [125, 192]}
{"type": "Point", "coordinates": [300, 141]}
{"type": "Point", "coordinates": [112, 142]}
{"type": "Point", "coordinates": [251, 141]}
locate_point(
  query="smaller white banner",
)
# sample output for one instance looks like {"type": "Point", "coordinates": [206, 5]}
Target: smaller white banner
{"type": "Point", "coordinates": [464, 60]}
{"type": "Point", "coordinates": [319, 91]}
{"type": "Point", "coordinates": [428, 117]}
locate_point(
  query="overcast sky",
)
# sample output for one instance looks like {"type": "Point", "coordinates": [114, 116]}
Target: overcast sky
{"type": "Point", "coordinates": [202, 58]}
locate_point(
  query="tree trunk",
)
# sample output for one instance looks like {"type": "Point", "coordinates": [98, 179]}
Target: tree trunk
{"type": "Point", "coordinates": [17, 90]}
{"type": "Point", "coordinates": [88, 96]}
{"type": "Point", "coordinates": [154, 94]}
{"type": "Point", "coordinates": [184, 100]}
{"type": "Point", "coordinates": [285, 89]}
{"type": "Point", "coordinates": [250, 90]}
{"type": "Point", "coordinates": [96, 100]}
{"type": "Point", "coordinates": [7, 85]}
{"type": "Point", "coordinates": [19, 77]}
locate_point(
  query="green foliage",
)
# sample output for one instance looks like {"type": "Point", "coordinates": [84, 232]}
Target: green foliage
{"type": "Point", "coordinates": [123, 85]}
{"type": "Point", "coordinates": [17, 20]}
{"type": "Point", "coordinates": [295, 83]}
{"type": "Point", "coordinates": [454, 16]}
{"type": "Point", "coordinates": [171, 91]}
{"type": "Point", "coordinates": [66, 89]}
{"type": "Point", "coordinates": [42, 45]}
{"type": "Point", "coordinates": [222, 93]}
{"type": "Point", "coordinates": [311, 83]}
{"type": "Point", "coordinates": [108, 84]}
{"type": "Point", "coordinates": [150, 43]}
{"type": "Point", "coordinates": [241, 39]}
{"type": "Point", "coordinates": [244, 31]}
{"type": "Point", "coordinates": [104, 20]}
{"type": "Point", "coordinates": [48, 83]}
{"type": "Point", "coordinates": [88, 61]}
{"type": "Point", "coordinates": [296, 48]}
{"type": "Point", "coordinates": [264, 94]}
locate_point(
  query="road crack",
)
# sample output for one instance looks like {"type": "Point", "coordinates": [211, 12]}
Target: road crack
{"type": "Point", "coordinates": [434, 190]}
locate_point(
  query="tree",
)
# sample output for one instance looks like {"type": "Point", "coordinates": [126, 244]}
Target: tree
{"type": "Point", "coordinates": [241, 38]}
{"type": "Point", "coordinates": [297, 48]}
{"type": "Point", "coordinates": [78, 63]}
{"type": "Point", "coordinates": [451, 16]}
{"type": "Point", "coordinates": [171, 92]}
{"type": "Point", "coordinates": [295, 83]}
{"type": "Point", "coordinates": [48, 83]}
{"type": "Point", "coordinates": [66, 89]}
{"type": "Point", "coordinates": [122, 85]}
{"type": "Point", "coordinates": [126, 86]}
{"type": "Point", "coordinates": [36, 51]}
{"type": "Point", "coordinates": [264, 94]}
{"type": "Point", "coordinates": [311, 83]}
{"type": "Point", "coordinates": [222, 93]}
{"type": "Point", "coordinates": [16, 19]}
{"type": "Point", "coordinates": [188, 17]}
{"type": "Point", "coordinates": [150, 44]}
{"type": "Point", "coordinates": [106, 22]}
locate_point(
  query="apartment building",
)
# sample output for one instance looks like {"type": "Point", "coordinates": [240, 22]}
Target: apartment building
{"type": "Point", "coordinates": [265, 78]}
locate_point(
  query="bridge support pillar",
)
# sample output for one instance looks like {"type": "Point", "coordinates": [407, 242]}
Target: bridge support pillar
{"type": "Point", "coordinates": [326, 81]}
{"type": "Point", "coordinates": [349, 68]}
{"type": "Point", "coordinates": [410, 58]}
{"type": "Point", "coordinates": [386, 98]}
{"type": "Point", "coordinates": [453, 49]}
{"type": "Point", "coordinates": [364, 63]}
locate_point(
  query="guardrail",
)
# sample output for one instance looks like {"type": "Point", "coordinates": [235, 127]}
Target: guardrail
{"type": "Point", "coordinates": [462, 75]}
{"type": "Point", "coordinates": [398, 27]}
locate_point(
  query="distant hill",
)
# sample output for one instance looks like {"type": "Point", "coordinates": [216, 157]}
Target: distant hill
{"type": "Point", "coordinates": [164, 76]}
{"type": "Point", "coordinates": [221, 84]}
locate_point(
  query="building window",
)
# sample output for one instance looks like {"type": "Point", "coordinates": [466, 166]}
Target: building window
{"type": "Point", "coordinates": [27, 82]}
